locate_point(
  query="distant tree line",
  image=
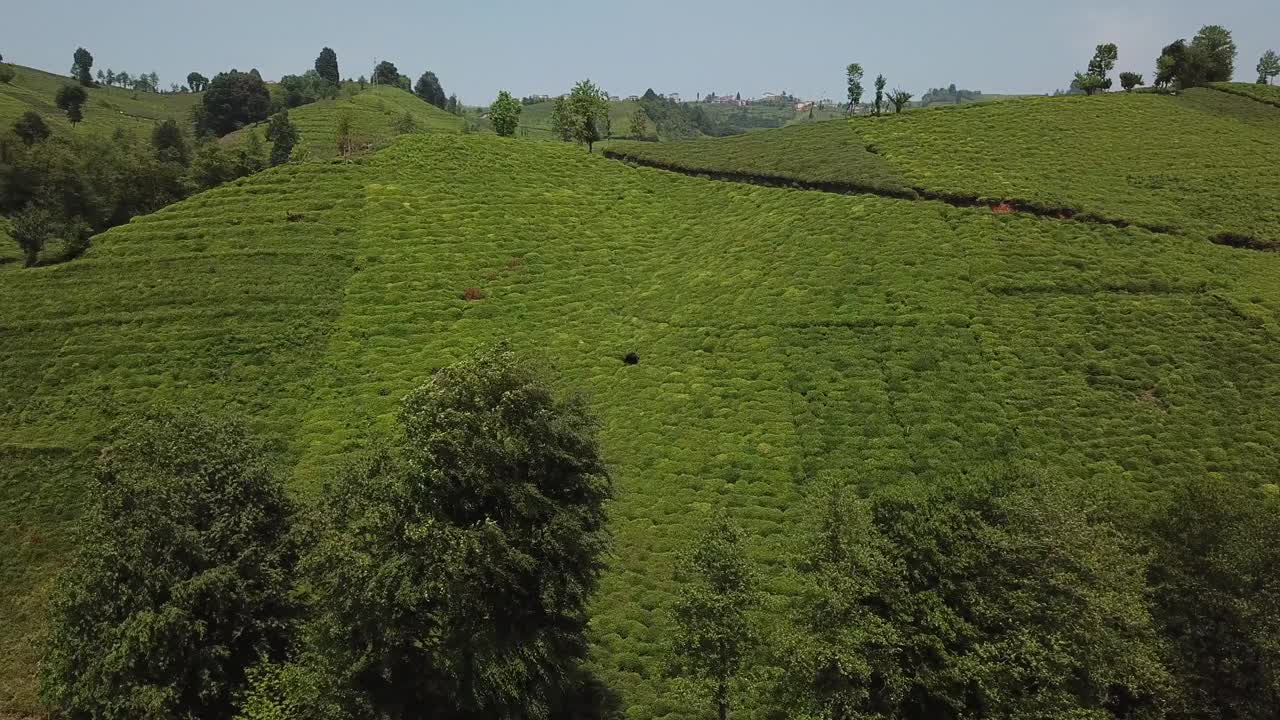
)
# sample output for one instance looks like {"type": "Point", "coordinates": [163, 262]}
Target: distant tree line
{"type": "Point", "coordinates": [949, 95]}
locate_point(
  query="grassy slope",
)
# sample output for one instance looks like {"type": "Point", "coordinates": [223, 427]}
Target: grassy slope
{"type": "Point", "coordinates": [1203, 163]}
{"type": "Point", "coordinates": [783, 335]}
{"type": "Point", "coordinates": [374, 113]}
{"type": "Point", "coordinates": [1269, 94]}
{"type": "Point", "coordinates": [107, 109]}
{"type": "Point", "coordinates": [536, 118]}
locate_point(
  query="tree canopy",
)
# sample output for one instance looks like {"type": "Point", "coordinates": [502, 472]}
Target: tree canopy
{"type": "Point", "coordinates": [504, 114]}
{"type": "Point", "coordinates": [283, 135]}
{"type": "Point", "coordinates": [429, 89]}
{"type": "Point", "coordinates": [195, 81]}
{"type": "Point", "coordinates": [386, 73]}
{"type": "Point", "coordinates": [82, 67]}
{"type": "Point", "coordinates": [31, 128]}
{"type": "Point", "coordinates": [588, 112]}
{"type": "Point", "coordinates": [233, 100]}
{"type": "Point", "coordinates": [327, 66]}
{"type": "Point", "coordinates": [182, 579]}
{"type": "Point", "coordinates": [1268, 67]}
{"type": "Point", "coordinates": [853, 83]}
{"type": "Point", "coordinates": [71, 100]}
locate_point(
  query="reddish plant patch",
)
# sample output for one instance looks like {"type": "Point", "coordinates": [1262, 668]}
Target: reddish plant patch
{"type": "Point", "coordinates": [1002, 209]}
{"type": "Point", "coordinates": [472, 294]}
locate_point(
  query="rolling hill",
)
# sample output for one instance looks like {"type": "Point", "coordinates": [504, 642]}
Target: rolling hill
{"type": "Point", "coordinates": [108, 108]}
{"type": "Point", "coordinates": [374, 114]}
{"type": "Point", "coordinates": [784, 335]}
{"type": "Point", "coordinates": [1205, 163]}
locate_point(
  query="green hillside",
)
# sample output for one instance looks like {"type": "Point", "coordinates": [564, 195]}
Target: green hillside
{"type": "Point", "coordinates": [374, 114]}
{"type": "Point", "coordinates": [107, 109]}
{"type": "Point", "coordinates": [783, 335]}
{"type": "Point", "coordinates": [535, 120]}
{"type": "Point", "coordinates": [1202, 163]}
{"type": "Point", "coordinates": [1269, 94]}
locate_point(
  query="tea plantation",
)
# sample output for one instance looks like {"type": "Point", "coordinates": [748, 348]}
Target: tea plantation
{"type": "Point", "coordinates": [783, 335]}
{"type": "Point", "coordinates": [374, 112]}
{"type": "Point", "coordinates": [1203, 163]}
{"type": "Point", "coordinates": [108, 108]}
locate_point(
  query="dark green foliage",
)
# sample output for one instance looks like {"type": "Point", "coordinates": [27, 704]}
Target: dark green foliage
{"type": "Point", "coordinates": [999, 594]}
{"type": "Point", "coordinates": [169, 142]}
{"type": "Point", "coordinates": [297, 90]}
{"type": "Point", "coordinates": [7, 74]}
{"type": "Point", "coordinates": [429, 89]}
{"type": "Point", "coordinates": [504, 114]}
{"type": "Point", "coordinates": [853, 84]}
{"type": "Point", "coordinates": [386, 74]}
{"type": "Point", "coordinates": [900, 99]}
{"type": "Point", "coordinates": [283, 135]}
{"type": "Point", "coordinates": [182, 579]}
{"type": "Point", "coordinates": [588, 108]}
{"type": "Point", "coordinates": [1268, 67]}
{"type": "Point", "coordinates": [452, 105]}
{"type": "Point", "coordinates": [1216, 577]}
{"type": "Point", "coordinates": [713, 629]}
{"type": "Point", "coordinates": [1219, 50]}
{"type": "Point", "coordinates": [678, 121]}
{"type": "Point", "coordinates": [197, 82]}
{"type": "Point", "coordinates": [327, 66]}
{"type": "Point", "coordinates": [71, 100]}
{"type": "Point", "coordinates": [82, 67]}
{"type": "Point", "coordinates": [949, 95]}
{"type": "Point", "coordinates": [1210, 57]}
{"type": "Point", "coordinates": [31, 128]}
{"type": "Point", "coordinates": [233, 100]}
{"type": "Point", "coordinates": [451, 572]}
{"type": "Point", "coordinates": [1131, 80]}
{"type": "Point", "coordinates": [1103, 62]}
{"type": "Point", "coordinates": [880, 84]}
{"type": "Point", "coordinates": [31, 229]}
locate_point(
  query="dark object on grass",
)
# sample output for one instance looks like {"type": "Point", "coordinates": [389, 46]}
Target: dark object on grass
{"type": "Point", "coordinates": [631, 359]}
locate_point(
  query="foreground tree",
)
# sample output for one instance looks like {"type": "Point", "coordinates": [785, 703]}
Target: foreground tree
{"type": "Point", "coordinates": [1268, 67]}
{"type": "Point", "coordinates": [504, 113]}
{"type": "Point", "coordinates": [1216, 577]}
{"type": "Point", "coordinates": [1087, 83]}
{"type": "Point", "coordinates": [853, 83]}
{"type": "Point", "coordinates": [452, 570]}
{"type": "Point", "coordinates": [31, 128]}
{"type": "Point", "coordinates": [429, 89]}
{"type": "Point", "coordinates": [1219, 51]}
{"type": "Point", "coordinates": [998, 594]}
{"type": "Point", "coordinates": [1103, 62]}
{"type": "Point", "coordinates": [588, 110]}
{"type": "Point", "coordinates": [386, 73]}
{"type": "Point", "coordinates": [82, 67]}
{"type": "Point", "coordinates": [880, 84]}
{"type": "Point", "coordinates": [71, 100]}
{"type": "Point", "coordinates": [232, 101]}
{"type": "Point", "coordinates": [31, 229]}
{"type": "Point", "coordinates": [169, 144]}
{"type": "Point", "coordinates": [182, 578]}
{"type": "Point", "coordinates": [327, 66]}
{"type": "Point", "coordinates": [283, 135]}
{"type": "Point", "coordinates": [1131, 80]}
{"type": "Point", "coordinates": [713, 631]}
{"type": "Point", "coordinates": [561, 123]}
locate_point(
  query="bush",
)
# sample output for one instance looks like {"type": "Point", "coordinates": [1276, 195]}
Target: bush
{"type": "Point", "coordinates": [7, 74]}
{"type": "Point", "coordinates": [182, 579]}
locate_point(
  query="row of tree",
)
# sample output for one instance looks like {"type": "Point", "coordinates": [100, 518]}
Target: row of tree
{"type": "Point", "coordinates": [449, 569]}
{"type": "Point", "coordinates": [1002, 594]}
{"type": "Point", "coordinates": [898, 98]}
{"type": "Point", "coordinates": [443, 574]}
{"type": "Point", "coordinates": [1209, 57]}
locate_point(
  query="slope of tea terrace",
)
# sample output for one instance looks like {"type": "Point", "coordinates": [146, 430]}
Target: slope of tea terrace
{"type": "Point", "coordinates": [782, 336]}
{"type": "Point", "coordinates": [108, 108]}
{"type": "Point", "coordinates": [1202, 163]}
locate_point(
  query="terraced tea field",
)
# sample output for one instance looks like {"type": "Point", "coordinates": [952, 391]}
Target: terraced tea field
{"type": "Point", "coordinates": [374, 114]}
{"type": "Point", "coordinates": [1269, 94]}
{"type": "Point", "coordinates": [783, 336]}
{"type": "Point", "coordinates": [106, 110]}
{"type": "Point", "coordinates": [1203, 163]}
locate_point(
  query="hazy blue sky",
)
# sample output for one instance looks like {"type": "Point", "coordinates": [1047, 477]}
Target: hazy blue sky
{"type": "Point", "coordinates": [480, 46]}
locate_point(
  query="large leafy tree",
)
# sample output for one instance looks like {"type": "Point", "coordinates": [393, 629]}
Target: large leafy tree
{"type": "Point", "coordinates": [588, 113]}
{"type": "Point", "coordinates": [386, 73]}
{"type": "Point", "coordinates": [182, 579]}
{"type": "Point", "coordinates": [71, 100]}
{"type": "Point", "coordinates": [233, 100]}
{"type": "Point", "coordinates": [713, 628]}
{"type": "Point", "coordinates": [429, 89]}
{"type": "Point", "coordinates": [1001, 594]}
{"type": "Point", "coordinates": [195, 81]}
{"type": "Point", "coordinates": [327, 65]}
{"type": "Point", "coordinates": [639, 124]}
{"type": "Point", "coordinates": [1219, 50]}
{"type": "Point", "coordinates": [853, 83]}
{"type": "Point", "coordinates": [82, 67]}
{"type": "Point", "coordinates": [1131, 80]}
{"type": "Point", "coordinates": [452, 570]}
{"type": "Point", "coordinates": [283, 135]}
{"type": "Point", "coordinates": [1268, 66]}
{"type": "Point", "coordinates": [561, 123]}
{"type": "Point", "coordinates": [1216, 578]}
{"type": "Point", "coordinates": [1102, 63]}
{"type": "Point", "coordinates": [504, 113]}
{"type": "Point", "coordinates": [169, 144]}
{"type": "Point", "coordinates": [1088, 83]}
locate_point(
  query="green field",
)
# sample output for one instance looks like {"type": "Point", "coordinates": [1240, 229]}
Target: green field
{"type": "Point", "coordinates": [106, 110]}
{"type": "Point", "coordinates": [1203, 163]}
{"type": "Point", "coordinates": [784, 335]}
{"type": "Point", "coordinates": [374, 113]}
{"type": "Point", "coordinates": [1269, 94]}
{"type": "Point", "coordinates": [535, 120]}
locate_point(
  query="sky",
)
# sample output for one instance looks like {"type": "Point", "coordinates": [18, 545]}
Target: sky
{"type": "Point", "coordinates": [478, 47]}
